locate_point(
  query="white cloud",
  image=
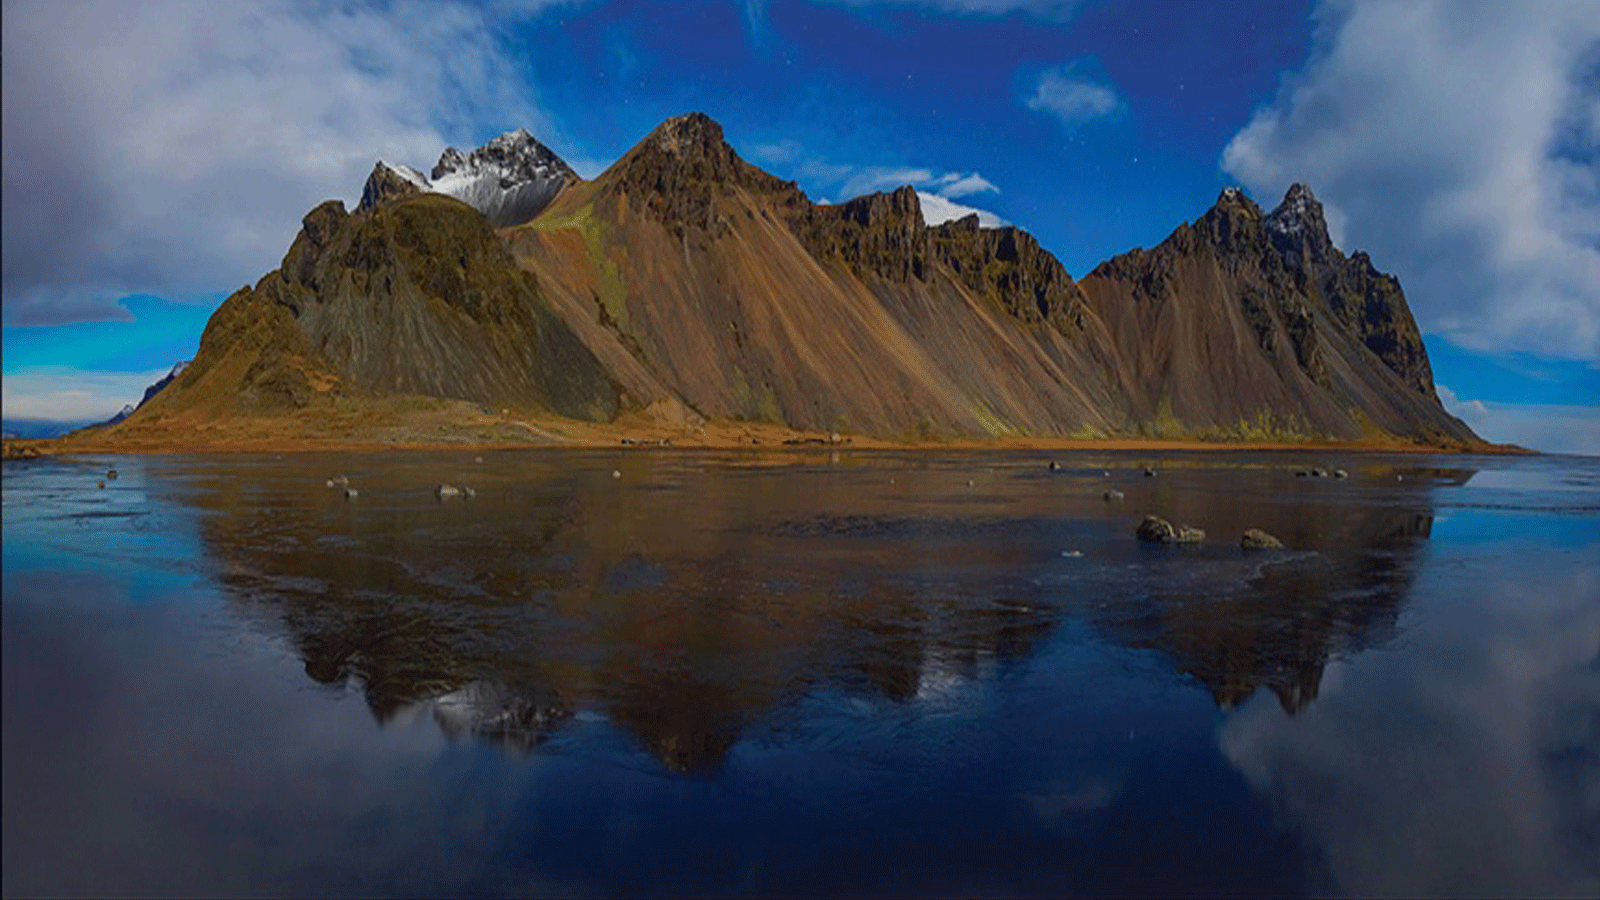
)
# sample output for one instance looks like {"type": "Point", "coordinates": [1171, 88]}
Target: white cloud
{"type": "Point", "coordinates": [937, 209]}
{"type": "Point", "coordinates": [866, 179]}
{"type": "Point", "coordinates": [1070, 98]}
{"type": "Point", "coordinates": [954, 184]}
{"type": "Point", "coordinates": [1457, 142]}
{"type": "Point", "coordinates": [1550, 427]}
{"type": "Point", "coordinates": [171, 147]}
{"type": "Point", "coordinates": [63, 394]}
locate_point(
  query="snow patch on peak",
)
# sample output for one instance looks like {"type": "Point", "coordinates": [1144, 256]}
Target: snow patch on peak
{"type": "Point", "coordinates": [408, 174]}
{"type": "Point", "coordinates": [1299, 212]}
{"type": "Point", "coordinates": [510, 179]}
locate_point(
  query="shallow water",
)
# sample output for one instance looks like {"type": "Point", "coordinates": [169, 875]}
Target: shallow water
{"type": "Point", "coordinates": [845, 673]}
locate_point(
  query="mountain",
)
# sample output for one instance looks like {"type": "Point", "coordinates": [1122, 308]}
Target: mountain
{"type": "Point", "coordinates": [510, 179]}
{"type": "Point", "coordinates": [685, 285]}
{"type": "Point", "coordinates": [1257, 319]}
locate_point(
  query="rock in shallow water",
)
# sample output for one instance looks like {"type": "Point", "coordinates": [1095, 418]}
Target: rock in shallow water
{"type": "Point", "coordinates": [1112, 496]}
{"type": "Point", "coordinates": [1256, 539]}
{"type": "Point", "coordinates": [1158, 530]}
{"type": "Point", "coordinates": [1154, 529]}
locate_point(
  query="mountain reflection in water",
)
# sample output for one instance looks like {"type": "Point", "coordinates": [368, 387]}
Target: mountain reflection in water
{"type": "Point", "coordinates": [691, 604]}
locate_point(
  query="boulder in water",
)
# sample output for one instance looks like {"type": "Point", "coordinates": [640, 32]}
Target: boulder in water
{"type": "Point", "coordinates": [1256, 539]}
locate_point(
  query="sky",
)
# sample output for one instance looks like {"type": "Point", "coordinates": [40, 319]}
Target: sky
{"type": "Point", "coordinates": [158, 156]}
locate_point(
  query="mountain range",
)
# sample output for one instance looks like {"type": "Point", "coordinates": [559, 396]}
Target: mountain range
{"type": "Point", "coordinates": [505, 297]}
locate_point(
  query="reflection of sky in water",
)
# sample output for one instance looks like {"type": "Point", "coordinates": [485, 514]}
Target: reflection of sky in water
{"type": "Point", "coordinates": [1466, 761]}
{"type": "Point", "coordinates": [927, 696]}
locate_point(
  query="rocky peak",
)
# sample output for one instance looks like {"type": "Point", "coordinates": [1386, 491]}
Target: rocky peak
{"type": "Point", "coordinates": [1299, 210]}
{"type": "Point", "coordinates": [685, 151]}
{"type": "Point", "coordinates": [1233, 223]}
{"type": "Point", "coordinates": [1298, 229]}
{"type": "Point", "coordinates": [515, 157]}
{"type": "Point", "coordinates": [967, 223]}
{"type": "Point", "coordinates": [680, 169]}
{"type": "Point", "coordinates": [900, 207]}
{"type": "Point", "coordinates": [689, 134]}
{"type": "Point", "coordinates": [388, 183]}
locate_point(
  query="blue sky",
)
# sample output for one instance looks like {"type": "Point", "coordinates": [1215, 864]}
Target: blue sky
{"type": "Point", "coordinates": [157, 156]}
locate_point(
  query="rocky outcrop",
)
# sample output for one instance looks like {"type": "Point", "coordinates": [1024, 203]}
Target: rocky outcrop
{"type": "Point", "coordinates": [881, 234]}
{"type": "Point", "coordinates": [1009, 265]}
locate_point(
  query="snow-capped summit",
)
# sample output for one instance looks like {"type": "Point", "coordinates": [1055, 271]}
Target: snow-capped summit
{"type": "Point", "coordinates": [510, 179]}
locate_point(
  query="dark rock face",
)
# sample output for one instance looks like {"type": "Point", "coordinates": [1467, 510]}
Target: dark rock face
{"type": "Point", "coordinates": [1258, 325]}
{"type": "Point", "coordinates": [681, 169]}
{"type": "Point", "coordinates": [882, 234]}
{"type": "Point", "coordinates": [1008, 263]}
{"type": "Point", "coordinates": [384, 185]}
{"type": "Point", "coordinates": [420, 297]}
{"type": "Point", "coordinates": [1367, 302]}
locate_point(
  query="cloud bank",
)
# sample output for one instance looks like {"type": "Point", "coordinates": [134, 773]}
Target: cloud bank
{"type": "Point", "coordinates": [171, 147]}
{"type": "Point", "coordinates": [1071, 98]}
{"type": "Point", "coordinates": [1458, 141]}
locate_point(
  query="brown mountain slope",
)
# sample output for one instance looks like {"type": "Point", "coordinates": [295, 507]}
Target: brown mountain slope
{"type": "Point", "coordinates": [724, 286]}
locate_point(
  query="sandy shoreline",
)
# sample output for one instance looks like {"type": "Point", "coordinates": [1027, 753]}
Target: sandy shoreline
{"type": "Point", "coordinates": [281, 437]}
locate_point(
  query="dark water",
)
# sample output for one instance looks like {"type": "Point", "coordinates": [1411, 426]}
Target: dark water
{"type": "Point", "coordinates": [731, 674]}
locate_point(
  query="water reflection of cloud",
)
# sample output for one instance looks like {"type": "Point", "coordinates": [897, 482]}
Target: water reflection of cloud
{"type": "Point", "coordinates": [1467, 765]}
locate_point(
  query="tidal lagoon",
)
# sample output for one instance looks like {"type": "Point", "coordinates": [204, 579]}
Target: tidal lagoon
{"type": "Point", "coordinates": [665, 672]}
